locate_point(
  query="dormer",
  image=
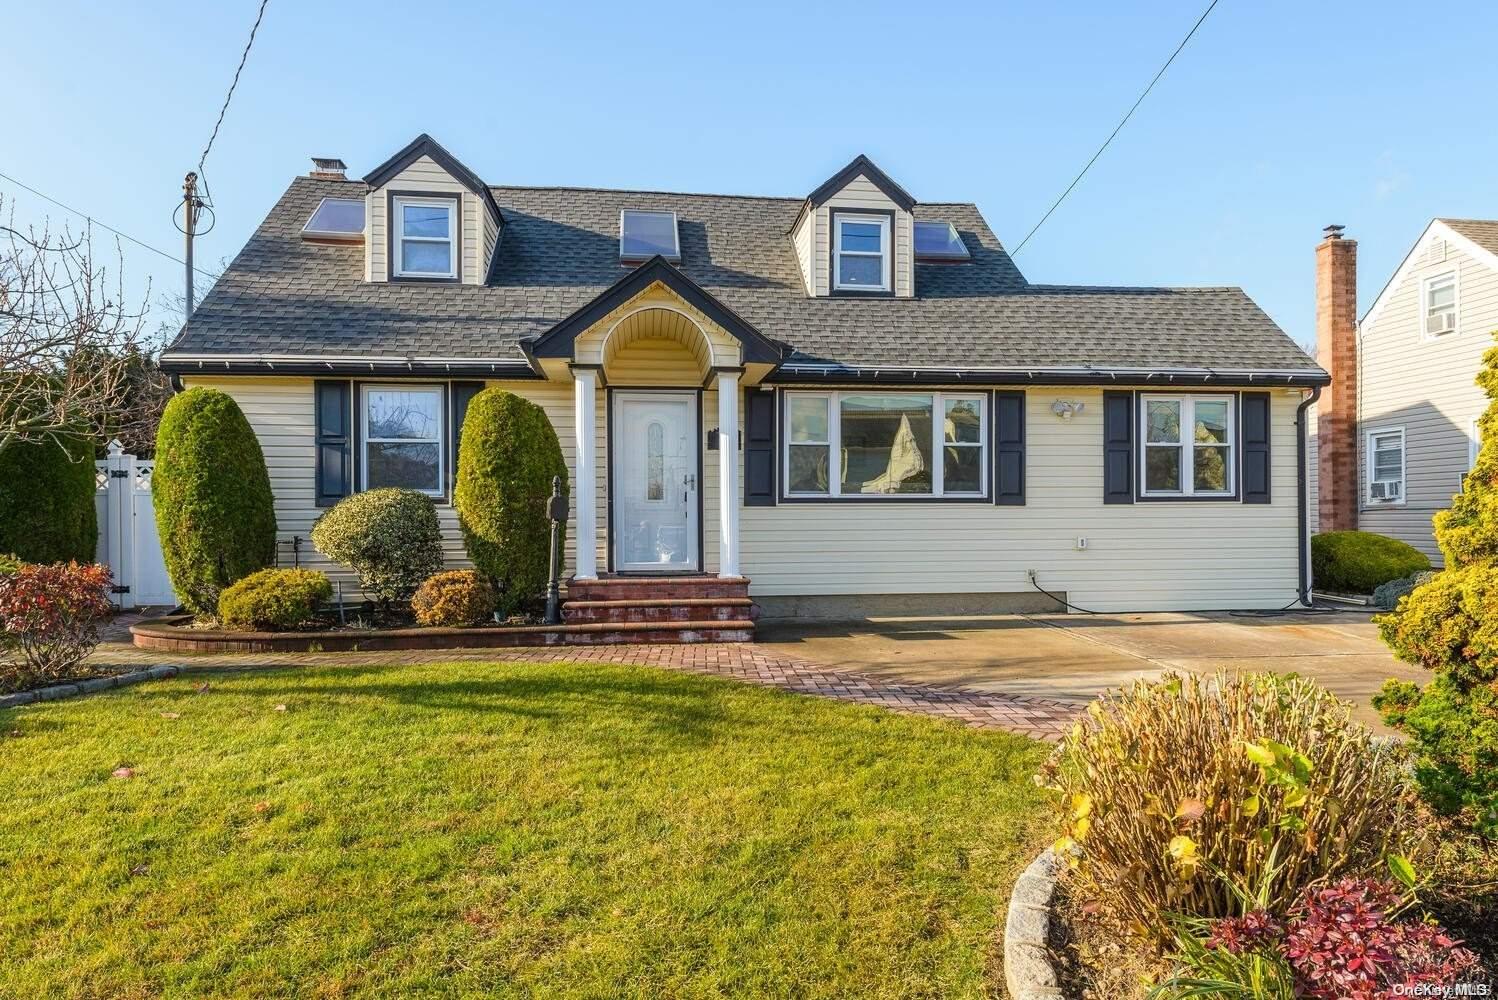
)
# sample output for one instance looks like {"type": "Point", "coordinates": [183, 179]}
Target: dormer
{"type": "Point", "coordinates": [855, 236]}
{"type": "Point", "coordinates": [431, 220]}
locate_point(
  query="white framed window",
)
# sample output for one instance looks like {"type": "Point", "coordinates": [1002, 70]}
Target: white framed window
{"type": "Point", "coordinates": [1438, 304]}
{"type": "Point", "coordinates": [872, 444]}
{"type": "Point", "coordinates": [861, 252]}
{"type": "Point", "coordinates": [401, 430]}
{"type": "Point", "coordinates": [643, 235]}
{"type": "Point", "coordinates": [1385, 457]}
{"type": "Point", "coordinates": [425, 242]}
{"type": "Point", "coordinates": [1188, 444]}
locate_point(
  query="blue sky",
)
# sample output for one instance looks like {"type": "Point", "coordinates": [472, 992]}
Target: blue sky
{"type": "Point", "coordinates": [1278, 118]}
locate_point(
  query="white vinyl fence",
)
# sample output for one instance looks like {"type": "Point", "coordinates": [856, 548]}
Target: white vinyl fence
{"type": "Point", "coordinates": [128, 543]}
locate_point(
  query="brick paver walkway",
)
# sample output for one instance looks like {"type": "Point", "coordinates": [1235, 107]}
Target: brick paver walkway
{"type": "Point", "coordinates": [1041, 718]}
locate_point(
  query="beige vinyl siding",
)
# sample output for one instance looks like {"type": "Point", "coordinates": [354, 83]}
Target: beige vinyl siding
{"type": "Point", "coordinates": [803, 238]}
{"type": "Point", "coordinates": [862, 194]}
{"type": "Point", "coordinates": [1139, 557]}
{"type": "Point", "coordinates": [1425, 386]}
{"type": "Point", "coordinates": [280, 410]}
{"type": "Point", "coordinates": [425, 175]}
{"type": "Point", "coordinates": [1145, 556]}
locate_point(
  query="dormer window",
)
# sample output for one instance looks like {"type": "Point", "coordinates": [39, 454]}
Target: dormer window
{"type": "Point", "coordinates": [336, 219]}
{"type": "Point", "coordinates": [423, 230]}
{"type": "Point", "coordinates": [936, 241]}
{"type": "Point", "coordinates": [643, 235]}
{"type": "Point", "coordinates": [861, 252]}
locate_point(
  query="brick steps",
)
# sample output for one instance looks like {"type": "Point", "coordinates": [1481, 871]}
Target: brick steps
{"type": "Point", "coordinates": [623, 609]}
{"type": "Point", "coordinates": [658, 610]}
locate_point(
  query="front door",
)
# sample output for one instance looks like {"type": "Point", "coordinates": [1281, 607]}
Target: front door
{"type": "Point", "coordinates": [655, 472]}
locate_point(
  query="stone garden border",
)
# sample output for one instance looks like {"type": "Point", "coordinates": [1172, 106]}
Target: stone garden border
{"type": "Point", "coordinates": [59, 691]}
{"type": "Point", "coordinates": [1028, 971]}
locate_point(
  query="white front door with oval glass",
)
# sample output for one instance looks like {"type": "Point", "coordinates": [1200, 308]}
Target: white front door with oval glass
{"type": "Point", "coordinates": [655, 482]}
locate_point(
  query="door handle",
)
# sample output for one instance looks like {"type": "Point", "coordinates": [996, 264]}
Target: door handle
{"type": "Point", "coordinates": [689, 481]}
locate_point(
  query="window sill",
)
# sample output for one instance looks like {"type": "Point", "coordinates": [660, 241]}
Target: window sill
{"type": "Point", "coordinates": [873, 499]}
{"type": "Point", "coordinates": [1182, 498]}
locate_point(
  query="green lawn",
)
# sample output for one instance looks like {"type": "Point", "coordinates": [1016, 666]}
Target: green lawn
{"type": "Point", "coordinates": [501, 829]}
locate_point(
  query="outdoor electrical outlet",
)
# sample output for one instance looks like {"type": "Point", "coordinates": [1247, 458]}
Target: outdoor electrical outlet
{"type": "Point", "coordinates": [1081, 543]}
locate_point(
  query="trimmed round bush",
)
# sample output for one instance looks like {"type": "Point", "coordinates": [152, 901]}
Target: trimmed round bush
{"type": "Point", "coordinates": [1358, 562]}
{"type": "Point", "coordinates": [47, 501]}
{"type": "Point", "coordinates": [508, 458]}
{"type": "Point", "coordinates": [214, 509]}
{"type": "Point", "coordinates": [273, 600]}
{"type": "Point", "coordinates": [453, 599]}
{"type": "Point", "coordinates": [390, 537]}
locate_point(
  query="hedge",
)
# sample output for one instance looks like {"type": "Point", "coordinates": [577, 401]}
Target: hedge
{"type": "Point", "coordinates": [390, 537]}
{"type": "Point", "coordinates": [1357, 562]}
{"type": "Point", "coordinates": [273, 600]}
{"type": "Point", "coordinates": [507, 459]}
{"type": "Point", "coordinates": [47, 501]}
{"type": "Point", "coordinates": [213, 500]}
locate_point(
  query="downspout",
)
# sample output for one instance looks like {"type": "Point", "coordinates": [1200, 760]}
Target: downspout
{"type": "Point", "coordinates": [1303, 519]}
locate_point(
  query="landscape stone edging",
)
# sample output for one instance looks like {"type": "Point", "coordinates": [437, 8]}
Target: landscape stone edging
{"type": "Point", "coordinates": [60, 691]}
{"type": "Point", "coordinates": [1027, 958]}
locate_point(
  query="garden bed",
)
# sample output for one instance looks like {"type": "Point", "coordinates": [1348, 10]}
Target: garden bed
{"type": "Point", "coordinates": [176, 634]}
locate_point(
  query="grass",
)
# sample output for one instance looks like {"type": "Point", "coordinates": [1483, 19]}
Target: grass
{"type": "Point", "coordinates": [468, 829]}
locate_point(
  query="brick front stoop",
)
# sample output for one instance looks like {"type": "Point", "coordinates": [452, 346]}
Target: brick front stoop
{"type": "Point", "coordinates": [1041, 718]}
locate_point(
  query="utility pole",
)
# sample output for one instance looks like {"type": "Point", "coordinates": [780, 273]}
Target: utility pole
{"type": "Point", "coordinates": [190, 205]}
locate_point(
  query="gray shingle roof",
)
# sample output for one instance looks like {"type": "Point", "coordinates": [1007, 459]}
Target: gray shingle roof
{"type": "Point", "coordinates": [283, 296]}
{"type": "Point", "coordinates": [1483, 232]}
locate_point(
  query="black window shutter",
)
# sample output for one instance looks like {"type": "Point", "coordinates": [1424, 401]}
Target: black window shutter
{"type": "Point", "coordinates": [759, 449]}
{"type": "Point", "coordinates": [1254, 431]}
{"type": "Point", "coordinates": [1009, 448]}
{"type": "Point", "coordinates": [1118, 447]}
{"type": "Point", "coordinates": [462, 394]}
{"type": "Point", "coordinates": [335, 453]}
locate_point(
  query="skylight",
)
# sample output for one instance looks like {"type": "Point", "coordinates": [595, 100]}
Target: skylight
{"type": "Point", "coordinates": [642, 235]}
{"type": "Point", "coordinates": [337, 219]}
{"type": "Point", "coordinates": [938, 241]}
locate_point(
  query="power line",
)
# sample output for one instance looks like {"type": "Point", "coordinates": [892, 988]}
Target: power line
{"type": "Point", "coordinates": [1076, 180]}
{"type": "Point", "coordinates": [95, 222]}
{"type": "Point", "coordinates": [232, 84]}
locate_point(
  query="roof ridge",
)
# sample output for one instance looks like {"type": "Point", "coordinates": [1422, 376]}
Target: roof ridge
{"type": "Point", "coordinates": [1140, 288]}
{"type": "Point", "coordinates": [607, 190]}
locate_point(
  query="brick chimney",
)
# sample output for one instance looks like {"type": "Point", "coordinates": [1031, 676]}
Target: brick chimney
{"type": "Point", "coordinates": [1337, 409]}
{"type": "Point", "coordinates": [328, 168]}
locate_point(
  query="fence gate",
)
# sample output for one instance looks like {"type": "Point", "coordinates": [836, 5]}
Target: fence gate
{"type": "Point", "coordinates": [128, 543]}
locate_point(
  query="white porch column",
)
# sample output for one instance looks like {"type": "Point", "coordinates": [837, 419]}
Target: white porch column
{"type": "Point", "coordinates": [585, 427]}
{"type": "Point", "coordinates": [728, 474]}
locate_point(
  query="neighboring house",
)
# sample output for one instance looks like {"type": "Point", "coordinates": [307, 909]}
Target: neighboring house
{"type": "Point", "coordinates": [854, 399]}
{"type": "Point", "coordinates": [1397, 428]}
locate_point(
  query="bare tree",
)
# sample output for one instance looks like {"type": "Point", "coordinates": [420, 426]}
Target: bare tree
{"type": "Point", "coordinates": [69, 346]}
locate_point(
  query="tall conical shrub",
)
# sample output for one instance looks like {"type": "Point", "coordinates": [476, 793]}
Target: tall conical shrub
{"type": "Point", "coordinates": [507, 456]}
{"type": "Point", "coordinates": [212, 494]}
{"type": "Point", "coordinates": [1450, 626]}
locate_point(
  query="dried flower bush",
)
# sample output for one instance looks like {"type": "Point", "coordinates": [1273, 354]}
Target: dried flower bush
{"type": "Point", "coordinates": [1164, 784]}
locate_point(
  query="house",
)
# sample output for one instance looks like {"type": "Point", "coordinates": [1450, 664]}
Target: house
{"type": "Point", "coordinates": [852, 398]}
{"type": "Point", "coordinates": [1397, 429]}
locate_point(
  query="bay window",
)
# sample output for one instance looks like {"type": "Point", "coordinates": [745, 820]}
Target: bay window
{"type": "Point", "coordinates": [846, 444]}
{"type": "Point", "coordinates": [1187, 445]}
{"type": "Point", "coordinates": [401, 427]}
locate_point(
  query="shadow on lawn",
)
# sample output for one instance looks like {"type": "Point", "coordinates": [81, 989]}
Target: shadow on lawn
{"type": "Point", "coordinates": [681, 707]}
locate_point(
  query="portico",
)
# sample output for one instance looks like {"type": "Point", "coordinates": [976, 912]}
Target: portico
{"type": "Point", "coordinates": [657, 389]}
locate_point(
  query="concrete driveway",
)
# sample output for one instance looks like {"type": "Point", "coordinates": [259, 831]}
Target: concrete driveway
{"type": "Point", "coordinates": [1077, 656]}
